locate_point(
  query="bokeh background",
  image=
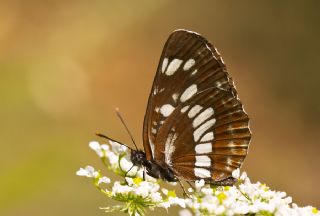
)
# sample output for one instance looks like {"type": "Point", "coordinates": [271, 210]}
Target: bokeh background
{"type": "Point", "coordinates": [65, 66]}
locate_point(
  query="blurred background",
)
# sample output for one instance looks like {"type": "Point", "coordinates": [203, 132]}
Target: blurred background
{"type": "Point", "coordinates": [65, 66]}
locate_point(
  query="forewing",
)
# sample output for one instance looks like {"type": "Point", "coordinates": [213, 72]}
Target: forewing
{"type": "Point", "coordinates": [188, 65]}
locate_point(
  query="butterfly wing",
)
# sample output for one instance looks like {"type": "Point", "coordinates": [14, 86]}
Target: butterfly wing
{"type": "Point", "coordinates": [208, 137]}
{"type": "Point", "coordinates": [191, 90]}
{"type": "Point", "coordinates": [170, 78]}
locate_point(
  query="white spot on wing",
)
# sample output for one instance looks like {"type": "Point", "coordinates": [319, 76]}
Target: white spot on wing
{"type": "Point", "coordinates": [153, 130]}
{"type": "Point", "coordinates": [173, 66]}
{"type": "Point", "coordinates": [207, 137]}
{"type": "Point", "coordinates": [202, 129]}
{"type": "Point", "coordinates": [203, 148]}
{"type": "Point", "coordinates": [202, 117]}
{"type": "Point", "coordinates": [156, 109]}
{"type": "Point", "coordinates": [203, 161]}
{"type": "Point", "coordinates": [202, 173]}
{"type": "Point", "coordinates": [166, 110]}
{"type": "Point", "coordinates": [175, 97]}
{"type": "Point", "coordinates": [152, 147]}
{"type": "Point", "coordinates": [194, 111]}
{"type": "Point", "coordinates": [189, 92]}
{"type": "Point", "coordinates": [169, 147]}
{"type": "Point", "coordinates": [231, 142]}
{"type": "Point", "coordinates": [164, 64]}
{"type": "Point", "coordinates": [229, 161]}
{"type": "Point", "coordinates": [194, 72]}
{"type": "Point", "coordinates": [188, 64]}
{"type": "Point", "coordinates": [155, 90]}
{"type": "Point", "coordinates": [218, 83]}
{"type": "Point", "coordinates": [184, 109]}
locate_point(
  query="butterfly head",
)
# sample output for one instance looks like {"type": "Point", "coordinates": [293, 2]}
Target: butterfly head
{"type": "Point", "coordinates": [138, 157]}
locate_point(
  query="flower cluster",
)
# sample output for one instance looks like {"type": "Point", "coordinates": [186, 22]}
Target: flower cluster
{"type": "Point", "coordinates": [137, 192]}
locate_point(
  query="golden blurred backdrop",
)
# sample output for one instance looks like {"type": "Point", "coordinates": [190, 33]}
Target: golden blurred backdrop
{"type": "Point", "coordinates": [65, 66]}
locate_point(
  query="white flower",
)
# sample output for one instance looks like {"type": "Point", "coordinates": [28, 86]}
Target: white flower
{"type": "Point", "coordinates": [94, 145]}
{"type": "Point", "coordinates": [121, 189]}
{"type": "Point", "coordinates": [88, 171]}
{"type": "Point", "coordinates": [118, 148]}
{"type": "Point", "coordinates": [241, 208]}
{"type": "Point", "coordinates": [142, 191]}
{"type": "Point", "coordinates": [164, 191]}
{"type": "Point", "coordinates": [140, 174]}
{"type": "Point", "coordinates": [236, 173]}
{"type": "Point", "coordinates": [190, 190]}
{"type": "Point", "coordinates": [129, 181]}
{"type": "Point", "coordinates": [105, 147]}
{"type": "Point", "coordinates": [147, 177]}
{"type": "Point", "coordinates": [243, 176]}
{"type": "Point", "coordinates": [113, 158]}
{"type": "Point", "coordinates": [99, 149]}
{"type": "Point", "coordinates": [154, 187]}
{"type": "Point", "coordinates": [165, 205]}
{"type": "Point", "coordinates": [206, 190]}
{"type": "Point", "coordinates": [241, 199]}
{"type": "Point", "coordinates": [156, 197]}
{"type": "Point", "coordinates": [185, 212]}
{"type": "Point", "coordinates": [104, 179]}
{"type": "Point", "coordinates": [199, 184]}
{"type": "Point", "coordinates": [176, 200]}
{"type": "Point", "coordinates": [127, 165]}
{"type": "Point", "coordinates": [219, 210]}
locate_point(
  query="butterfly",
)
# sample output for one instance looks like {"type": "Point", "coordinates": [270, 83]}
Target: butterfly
{"type": "Point", "coordinates": [195, 126]}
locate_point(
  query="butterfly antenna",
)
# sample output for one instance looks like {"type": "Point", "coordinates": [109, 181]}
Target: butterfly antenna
{"type": "Point", "coordinates": [127, 129]}
{"type": "Point", "coordinates": [113, 140]}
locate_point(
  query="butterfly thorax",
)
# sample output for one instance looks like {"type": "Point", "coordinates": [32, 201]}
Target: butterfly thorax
{"type": "Point", "coordinates": [155, 170]}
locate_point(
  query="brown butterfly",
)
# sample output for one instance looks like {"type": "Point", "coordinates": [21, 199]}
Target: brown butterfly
{"type": "Point", "coordinates": [195, 126]}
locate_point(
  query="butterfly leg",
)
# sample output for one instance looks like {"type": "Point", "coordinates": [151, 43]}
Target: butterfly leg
{"type": "Point", "coordinates": [144, 173]}
{"type": "Point", "coordinates": [185, 194]}
{"type": "Point", "coordinates": [126, 174]}
{"type": "Point", "coordinates": [191, 185]}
